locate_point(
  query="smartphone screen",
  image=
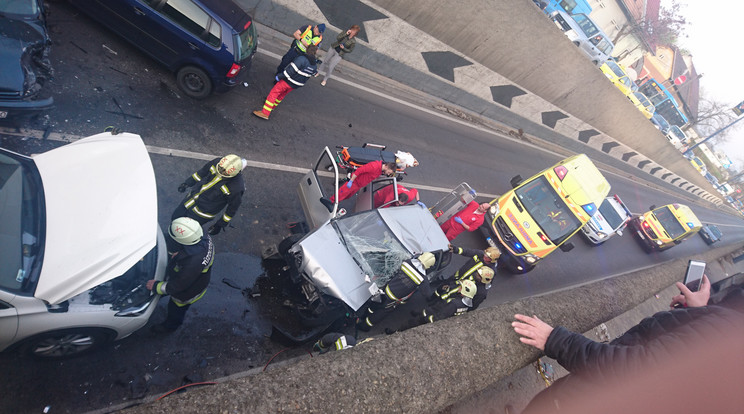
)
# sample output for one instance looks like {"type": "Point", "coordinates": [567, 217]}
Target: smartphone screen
{"type": "Point", "coordinates": [694, 275]}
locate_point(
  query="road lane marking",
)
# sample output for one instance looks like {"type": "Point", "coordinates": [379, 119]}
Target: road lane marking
{"type": "Point", "coordinates": [55, 136]}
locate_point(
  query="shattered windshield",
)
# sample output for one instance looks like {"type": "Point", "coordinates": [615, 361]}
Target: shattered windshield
{"type": "Point", "coordinates": [372, 245]}
{"type": "Point", "coordinates": [547, 209]}
{"type": "Point", "coordinates": [20, 244]}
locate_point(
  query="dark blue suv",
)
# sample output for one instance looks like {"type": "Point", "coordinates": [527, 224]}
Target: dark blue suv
{"type": "Point", "coordinates": [206, 43]}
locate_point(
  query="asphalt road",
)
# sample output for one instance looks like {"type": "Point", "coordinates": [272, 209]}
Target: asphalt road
{"type": "Point", "coordinates": [225, 333]}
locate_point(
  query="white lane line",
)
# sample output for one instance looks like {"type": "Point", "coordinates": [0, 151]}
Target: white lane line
{"type": "Point", "coordinates": [206, 157]}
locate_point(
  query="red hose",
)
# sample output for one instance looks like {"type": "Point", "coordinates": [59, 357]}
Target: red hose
{"type": "Point", "coordinates": [182, 387]}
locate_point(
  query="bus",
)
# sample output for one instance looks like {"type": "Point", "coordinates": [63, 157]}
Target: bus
{"type": "Point", "coordinates": [568, 6]}
{"type": "Point", "coordinates": [665, 104]}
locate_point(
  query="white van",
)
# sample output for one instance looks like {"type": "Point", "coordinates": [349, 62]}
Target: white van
{"type": "Point", "coordinates": [585, 34]}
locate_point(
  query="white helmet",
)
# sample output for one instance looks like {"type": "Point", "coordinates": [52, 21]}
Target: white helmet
{"type": "Point", "coordinates": [186, 231]}
{"type": "Point", "coordinates": [468, 288]}
{"type": "Point", "coordinates": [229, 166]}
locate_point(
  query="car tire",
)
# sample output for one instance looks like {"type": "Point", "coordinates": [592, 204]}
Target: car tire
{"type": "Point", "coordinates": [194, 82]}
{"type": "Point", "coordinates": [66, 343]}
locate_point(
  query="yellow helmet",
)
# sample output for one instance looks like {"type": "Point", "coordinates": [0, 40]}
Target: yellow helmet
{"type": "Point", "coordinates": [486, 274]}
{"type": "Point", "coordinates": [493, 252]}
{"type": "Point", "coordinates": [468, 288]}
{"type": "Point", "coordinates": [229, 166]}
{"type": "Point", "coordinates": [427, 259]}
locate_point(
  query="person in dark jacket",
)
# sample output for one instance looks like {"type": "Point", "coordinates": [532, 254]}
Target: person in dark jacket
{"type": "Point", "coordinates": [188, 272]}
{"type": "Point", "coordinates": [302, 68]}
{"type": "Point", "coordinates": [304, 37]}
{"type": "Point", "coordinates": [345, 43]}
{"type": "Point", "coordinates": [406, 281]}
{"type": "Point", "coordinates": [457, 301]}
{"type": "Point", "coordinates": [636, 354]}
{"type": "Point", "coordinates": [218, 184]}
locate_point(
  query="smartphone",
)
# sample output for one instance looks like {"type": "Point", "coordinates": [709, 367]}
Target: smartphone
{"type": "Point", "coordinates": [694, 275]}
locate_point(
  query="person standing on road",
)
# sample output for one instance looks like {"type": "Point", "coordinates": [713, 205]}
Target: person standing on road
{"type": "Point", "coordinates": [345, 43]}
{"type": "Point", "coordinates": [304, 37]}
{"type": "Point", "coordinates": [470, 218]}
{"type": "Point", "coordinates": [188, 272]}
{"type": "Point", "coordinates": [302, 68]}
{"type": "Point", "coordinates": [407, 280]}
{"type": "Point", "coordinates": [218, 184]}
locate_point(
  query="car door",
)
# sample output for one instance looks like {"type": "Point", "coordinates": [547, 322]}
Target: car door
{"type": "Point", "coordinates": [381, 192]}
{"type": "Point", "coordinates": [320, 182]}
{"type": "Point", "coordinates": [122, 16]}
{"type": "Point", "coordinates": [8, 320]}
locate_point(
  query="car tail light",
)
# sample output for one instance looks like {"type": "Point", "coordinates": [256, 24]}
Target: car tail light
{"type": "Point", "coordinates": [234, 69]}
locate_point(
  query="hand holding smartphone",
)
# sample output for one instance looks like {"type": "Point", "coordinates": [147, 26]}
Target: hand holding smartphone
{"type": "Point", "coordinates": [694, 275]}
{"type": "Point", "coordinates": [693, 282]}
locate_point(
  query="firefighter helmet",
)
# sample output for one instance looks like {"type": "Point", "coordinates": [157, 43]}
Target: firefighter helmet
{"type": "Point", "coordinates": [468, 288]}
{"type": "Point", "coordinates": [186, 231]}
{"type": "Point", "coordinates": [427, 259]}
{"type": "Point", "coordinates": [493, 253]}
{"type": "Point", "coordinates": [486, 274]}
{"type": "Point", "coordinates": [229, 166]}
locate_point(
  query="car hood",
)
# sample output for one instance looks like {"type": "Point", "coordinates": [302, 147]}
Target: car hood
{"type": "Point", "coordinates": [101, 212]}
{"type": "Point", "coordinates": [16, 36]}
{"type": "Point", "coordinates": [334, 271]}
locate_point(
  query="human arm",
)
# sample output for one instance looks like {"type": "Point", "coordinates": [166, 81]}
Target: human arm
{"type": "Point", "coordinates": [690, 299]}
{"type": "Point", "coordinates": [196, 177]}
{"type": "Point", "coordinates": [466, 251]}
{"type": "Point", "coordinates": [298, 34]}
{"type": "Point", "coordinates": [533, 331]}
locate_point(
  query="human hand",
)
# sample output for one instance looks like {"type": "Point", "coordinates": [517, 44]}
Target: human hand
{"type": "Point", "coordinates": [690, 299]}
{"type": "Point", "coordinates": [349, 184]}
{"type": "Point", "coordinates": [150, 284]}
{"type": "Point", "coordinates": [458, 220]}
{"type": "Point", "coordinates": [534, 331]}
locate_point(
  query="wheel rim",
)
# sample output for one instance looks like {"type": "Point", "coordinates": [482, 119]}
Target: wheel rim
{"type": "Point", "coordinates": [64, 345]}
{"type": "Point", "coordinates": [194, 82]}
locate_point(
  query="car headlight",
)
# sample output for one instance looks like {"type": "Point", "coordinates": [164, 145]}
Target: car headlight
{"type": "Point", "coordinates": [601, 235]}
{"type": "Point", "coordinates": [494, 209]}
{"type": "Point", "coordinates": [531, 258]}
{"type": "Point", "coordinates": [658, 242]}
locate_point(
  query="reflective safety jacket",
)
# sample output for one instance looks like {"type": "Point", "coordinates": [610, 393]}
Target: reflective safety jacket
{"type": "Point", "coordinates": [213, 192]}
{"type": "Point", "coordinates": [476, 261]}
{"type": "Point", "coordinates": [188, 273]}
{"type": "Point", "coordinates": [299, 71]}
{"type": "Point", "coordinates": [309, 36]}
{"type": "Point", "coordinates": [453, 306]}
{"type": "Point", "coordinates": [334, 341]}
{"type": "Point", "coordinates": [406, 280]}
{"type": "Point", "coordinates": [452, 290]}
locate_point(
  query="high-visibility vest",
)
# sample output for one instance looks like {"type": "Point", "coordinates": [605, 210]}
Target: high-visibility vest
{"type": "Point", "coordinates": [309, 36]}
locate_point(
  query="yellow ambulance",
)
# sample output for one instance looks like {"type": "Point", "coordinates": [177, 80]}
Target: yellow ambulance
{"type": "Point", "coordinates": [664, 227]}
{"type": "Point", "coordinates": [542, 213]}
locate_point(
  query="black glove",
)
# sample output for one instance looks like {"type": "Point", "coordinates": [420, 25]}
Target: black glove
{"type": "Point", "coordinates": [182, 188]}
{"type": "Point", "coordinates": [217, 228]}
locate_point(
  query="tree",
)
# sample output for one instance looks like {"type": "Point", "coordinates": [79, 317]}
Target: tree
{"type": "Point", "coordinates": [712, 116]}
{"type": "Point", "coordinates": [664, 28]}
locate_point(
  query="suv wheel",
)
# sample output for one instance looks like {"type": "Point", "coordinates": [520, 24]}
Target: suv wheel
{"type": "Point", "coordinates": [194, 82]}
{"type": "Point", "coordinates": [66, 343]}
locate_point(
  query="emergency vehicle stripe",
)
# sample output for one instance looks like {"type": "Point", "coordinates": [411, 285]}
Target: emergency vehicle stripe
{"type": "Point", "coordinates": [412, 273]}
{"type": "Point", "coordinates": [201, 213]}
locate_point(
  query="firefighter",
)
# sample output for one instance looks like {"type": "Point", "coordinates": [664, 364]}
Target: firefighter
{"type": "Point", "coordinates": [334, 341]}
{"type": "Point", "coordinates": [406, 281]}
{"type": "Point", "coordinates": [303, 37]}
{"type": "Point", "coordinates": [458, 302]}
{"type": "Point", "coordinates": [218, 184]}
{"type": "Point", "coordinates": [188, 272]}
{"type": "Point", "coordinates": [479, 269]}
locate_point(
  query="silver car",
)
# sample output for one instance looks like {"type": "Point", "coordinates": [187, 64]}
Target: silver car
{"type": "Point", "coordinates": [585, 34]}
{"type": "Point", "coordinates": [609, 220]}
{"type": "Point", "coordinates": [79, 238]}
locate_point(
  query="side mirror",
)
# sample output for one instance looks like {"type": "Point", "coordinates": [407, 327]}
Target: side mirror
{"type": "Point", "coordinates": [652, 207]}
{"type": "Point", "coordinates": [515, 181]}
{"type": "Point", "coordinates": [619, 232]}
{"type": "Point", "coordinates": [567, 247]}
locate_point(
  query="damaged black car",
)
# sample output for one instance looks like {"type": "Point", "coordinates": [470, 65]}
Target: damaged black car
{"type": "Point", "coordinates": [24, 59]}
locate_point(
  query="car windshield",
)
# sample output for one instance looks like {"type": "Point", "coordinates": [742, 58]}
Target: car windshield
{"type": "Point", "coordinates": [20, 213]}
{"type": "Point", "coordinates": [372, 245]}
{"type": "Point", "coordinates": [610, 214]}
{"type": "Point", "coordinates": [246, 42]}
{"type": "Point", "coordinates": [670, 223]}
{"type": "Point", "coordinates": [615, 69]}
{"type": "Point", "coordinates": [547, 209]}
{"type": "Point", "coordinates": [586, 25]}
{"type": "Point", "coordinates": [25, 8]}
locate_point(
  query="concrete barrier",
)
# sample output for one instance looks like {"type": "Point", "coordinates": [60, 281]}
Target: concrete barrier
{"type": "Point", "coordinates": [428, 368]}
